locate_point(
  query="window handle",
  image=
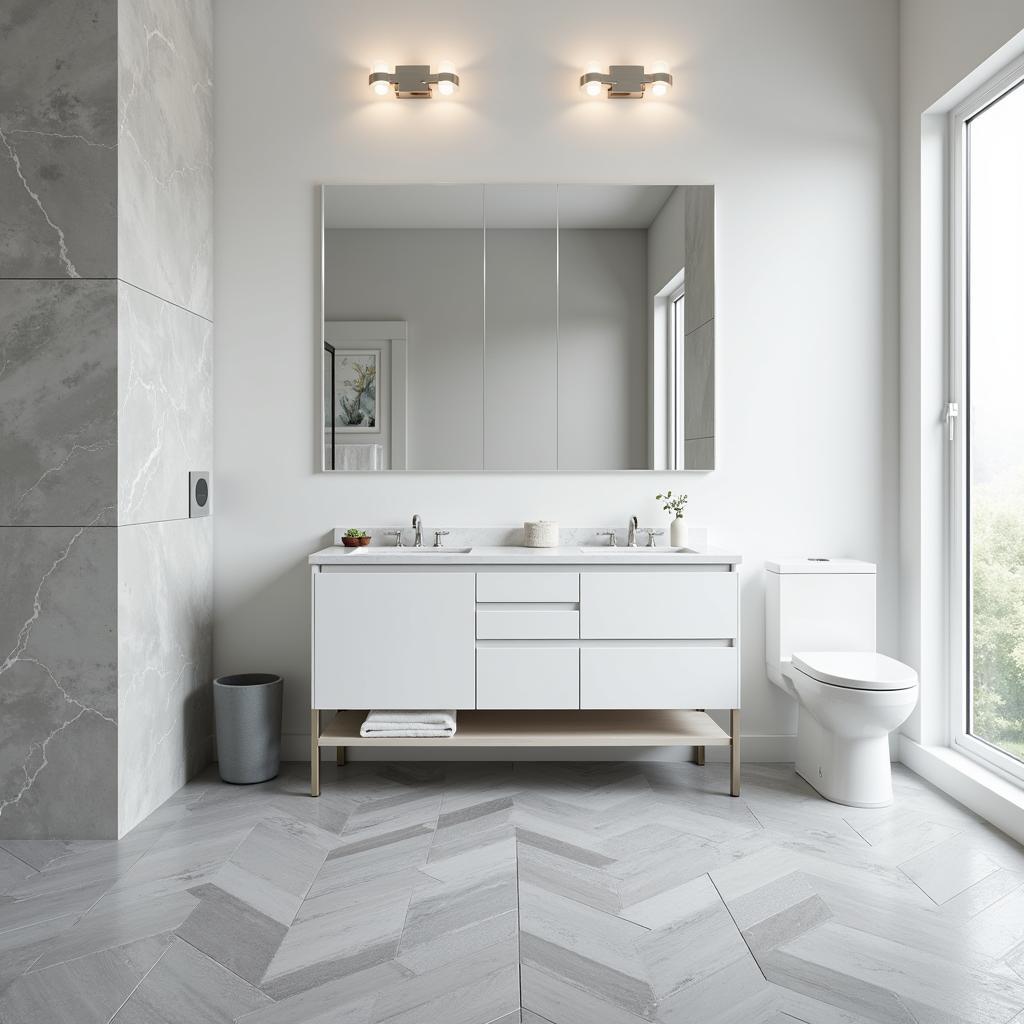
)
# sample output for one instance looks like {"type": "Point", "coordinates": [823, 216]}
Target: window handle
{"type": "Point", "coordinates": [951, 416]}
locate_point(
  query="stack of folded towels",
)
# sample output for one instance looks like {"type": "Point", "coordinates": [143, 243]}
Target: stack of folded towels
{"type": "Point", "coordinates": [409, 723]}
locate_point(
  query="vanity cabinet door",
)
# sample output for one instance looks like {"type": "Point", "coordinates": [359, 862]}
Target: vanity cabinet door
{"type": "Point", "coordinates": [527, 678]}
{"type": "Point", "coordinates": [658, 606]}
{"type": "Point", "coordinates": [659, 677]}
{"type": "Point", "coordinates": [394, 640]}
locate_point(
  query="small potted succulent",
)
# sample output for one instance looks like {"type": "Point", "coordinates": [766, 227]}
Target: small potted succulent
{"type": "Point", "coordinates": [676, 504]}
{"type": "Point", "coordinates": [356, 538]}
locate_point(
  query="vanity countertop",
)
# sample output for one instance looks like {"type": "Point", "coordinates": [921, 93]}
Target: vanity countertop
{"type": "Point", "coordinates": [574, 554]}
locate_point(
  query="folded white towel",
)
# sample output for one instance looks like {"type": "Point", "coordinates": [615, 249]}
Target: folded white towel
{"type": "Point", "coordinates": [409, 723]}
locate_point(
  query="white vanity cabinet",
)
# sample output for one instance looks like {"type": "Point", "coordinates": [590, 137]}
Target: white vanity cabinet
{"type": "Point", "coordinates": [532, 648]}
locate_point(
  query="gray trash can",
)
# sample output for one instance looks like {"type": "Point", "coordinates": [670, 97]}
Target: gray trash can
{"type": "Point", "coordinates": [247, 709]}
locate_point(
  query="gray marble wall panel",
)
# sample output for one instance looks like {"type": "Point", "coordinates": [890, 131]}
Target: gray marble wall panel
{"type": "Point", "coordinates": [165, 157]}
{"type": "Point", "coordinates": [58, 682]}
{"type": "Point", "coordinates": [58, 403]}
{"type": "Point", "coordinates": [165, 607]}
{"type": "Point", "coordinates": [700, 256]}
{"type": "Point", "coordinates": [165, 405]}
{"type": "Point", "coordinates": [58, 138]}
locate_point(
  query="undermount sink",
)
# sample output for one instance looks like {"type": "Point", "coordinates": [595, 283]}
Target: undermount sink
{"type": "Point", "coordinates": [413, 551]}
{"type": "Point", "coordinates": [607, 549]}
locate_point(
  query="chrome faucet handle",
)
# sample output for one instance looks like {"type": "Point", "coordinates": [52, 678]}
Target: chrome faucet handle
{"type": "Point", "coordinates": [397, 534]}
{"type": "Point", "coordinates": [651, 534]}
{"type": "Point", "coordinates": [610, 534]}
{"type": "Point", "coordinates": [438, 534]}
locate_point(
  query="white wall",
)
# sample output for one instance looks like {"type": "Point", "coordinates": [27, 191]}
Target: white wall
{"type": "Point", "coordinates": [947, 49]}
{"type": "Point", "coordinates": [787, 106]}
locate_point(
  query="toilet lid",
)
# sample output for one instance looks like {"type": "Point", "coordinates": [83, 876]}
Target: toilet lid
{"type": "Point", "coordinates": [859, 670]}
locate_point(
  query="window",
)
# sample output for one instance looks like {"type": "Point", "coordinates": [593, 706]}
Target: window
{"type": "Point", "coordinates": [986, 417]}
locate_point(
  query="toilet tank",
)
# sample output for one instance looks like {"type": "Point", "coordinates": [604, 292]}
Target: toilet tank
{"type": "Point", "coordinates": [816, 604]}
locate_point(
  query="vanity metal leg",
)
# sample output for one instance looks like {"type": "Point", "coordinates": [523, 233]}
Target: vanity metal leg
{"type": "Point", "coordinates": [698, 752]}
{"type": "Point", "coordinates": [314, 753]}
{"type": "Point", "coordinates": [340, 755]}
{"type": "Point", "coordinates": [734, 752]}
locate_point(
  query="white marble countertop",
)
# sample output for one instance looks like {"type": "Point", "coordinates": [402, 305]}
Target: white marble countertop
{"type": "Point", "coordinates": [575, 554]}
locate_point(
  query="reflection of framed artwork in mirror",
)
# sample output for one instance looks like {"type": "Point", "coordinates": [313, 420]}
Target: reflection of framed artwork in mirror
{"type": "Point", "coordinates": [356, 393]}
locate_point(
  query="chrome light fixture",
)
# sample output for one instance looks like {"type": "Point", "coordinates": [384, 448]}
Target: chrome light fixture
{"type": "Point", "coordinates": [627, 81]}
{"type": "Point", "coordinates": [414, 81]}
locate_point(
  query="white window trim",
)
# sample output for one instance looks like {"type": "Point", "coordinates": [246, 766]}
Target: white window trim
{"type": "Point", "coordinates": [959, 631]}
{"type": "Point", "coordinates": [675, 349]}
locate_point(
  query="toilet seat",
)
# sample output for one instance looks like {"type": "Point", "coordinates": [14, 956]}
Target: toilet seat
{"type": "Point", "coordinates": [856, 670]}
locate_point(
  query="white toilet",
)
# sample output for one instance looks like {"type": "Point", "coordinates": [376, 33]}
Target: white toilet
{"type": "Point", "coordinates": [820, 648]}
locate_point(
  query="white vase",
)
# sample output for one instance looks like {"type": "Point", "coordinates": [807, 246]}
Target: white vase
{"type": "Point", "coordinates": [677, 533]}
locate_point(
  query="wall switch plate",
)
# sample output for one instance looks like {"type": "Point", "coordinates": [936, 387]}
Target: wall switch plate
{"type": "Point", "coordinates": [198, 493]}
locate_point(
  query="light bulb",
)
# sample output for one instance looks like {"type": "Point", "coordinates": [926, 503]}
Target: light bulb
{"type": "Point", "coordinates": [380, 87]}
{"type": "Point", "coordinates": [659, 88]}
{"type": "Point", "coordinates": [444, 87]}
{"type": "Point", "coordinates": [593, 88]}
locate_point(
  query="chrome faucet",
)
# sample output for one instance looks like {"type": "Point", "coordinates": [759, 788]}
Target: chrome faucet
{"type": "Point", "coordinates": [631, 532]}
{"type": "Point", "coordinates": [418, 526]}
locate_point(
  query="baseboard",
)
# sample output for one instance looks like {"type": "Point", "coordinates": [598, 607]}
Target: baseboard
{"type": "Point", "coordinates": [982, 791]}
{"type": "Point", "coordinates": [771, 749]}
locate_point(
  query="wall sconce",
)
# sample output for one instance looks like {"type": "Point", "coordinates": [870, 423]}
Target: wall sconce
{"type": "Point", "coordinates": [414, 81]}
{"type": "Point", "coordinates": [626, 81]}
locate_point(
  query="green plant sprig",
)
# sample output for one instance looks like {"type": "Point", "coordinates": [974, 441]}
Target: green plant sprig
{"type": "Point", "coordinates": [355, 533]}
{"type": "Point", "coordinates": [676, 505]}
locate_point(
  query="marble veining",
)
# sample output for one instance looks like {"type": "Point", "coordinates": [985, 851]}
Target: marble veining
{"type": "Point", "coordinates": [58, 393]}
{"type": "Point", "coordinates": [164, 607]}
{"type": "Point", "coordinates": [165, 405]}
{"type": "Point", "coordinates": [165, 157]}
{"type": "Point", "coordinates": [58, 139]}
{"type": "Point", "coordinates": [58, 682]}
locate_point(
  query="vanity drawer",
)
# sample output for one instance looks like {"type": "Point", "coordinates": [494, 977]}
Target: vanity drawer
{"type": "Point", "coordinates": [658, 605]}
{"type": "Point", "coordinates": [527, 678]}
{"type": "Point", "coordinates": [527, 624]}
{"type": "Point", "coordinates": [659, 677]}
{"type": "Point", "coordinates": [528, 586]}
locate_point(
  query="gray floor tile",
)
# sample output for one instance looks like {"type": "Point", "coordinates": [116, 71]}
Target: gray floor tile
{"type": "Point", "coordinates": [117, 924]}
{"type": "Point", "coordinates": [232, 932]}
{"type": "Point", "coordinates": [185, 987]}
{"type": "Point", "coordinates": [86, 991]}
{"type": "Point", "coordinates": [949, 868]}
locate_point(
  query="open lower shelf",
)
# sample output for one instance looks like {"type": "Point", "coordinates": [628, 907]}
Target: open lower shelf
{"type": "Point", "coordinates": [545, 729]}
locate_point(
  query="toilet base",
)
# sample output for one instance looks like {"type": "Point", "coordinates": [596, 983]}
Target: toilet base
{"type": "Point", "coordinates": [851, 771]}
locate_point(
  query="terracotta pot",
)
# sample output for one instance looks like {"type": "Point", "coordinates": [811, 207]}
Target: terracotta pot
{"type": "Point", "coordinates": [356, 542]}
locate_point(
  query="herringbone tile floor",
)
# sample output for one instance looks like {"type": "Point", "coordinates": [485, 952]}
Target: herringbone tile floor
{"type": "Point", "coordinates": [606, 893]}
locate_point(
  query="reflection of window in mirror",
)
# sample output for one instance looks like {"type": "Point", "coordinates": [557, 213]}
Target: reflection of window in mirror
{"type": "Point", "coordinates": [677, 335]}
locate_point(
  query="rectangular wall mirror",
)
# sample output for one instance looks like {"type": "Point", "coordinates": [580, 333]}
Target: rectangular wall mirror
{"type": "Point", "coordinates": [518, 327]}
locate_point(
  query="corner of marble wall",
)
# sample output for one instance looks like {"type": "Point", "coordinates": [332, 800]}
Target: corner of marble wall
{"type": "Point", "coordinates": [164, 694]}
{"type": "Point", "coordinates": [58, 682]}
{"type": "Point", "coordinates": [164, 405]}
{"type": "Point", "coordinates": [58, 403]}
{"type": "Point", "coordinates": [165, 155]}
{"type": "Point", "coordinates": [58, 139]}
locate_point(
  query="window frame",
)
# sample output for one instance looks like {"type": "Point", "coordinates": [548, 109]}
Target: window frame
{"type": "Point", "coordinates": [959, 630]}
{"type": "Point", "coordinates": [676, 340]}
